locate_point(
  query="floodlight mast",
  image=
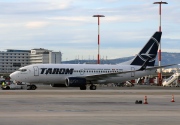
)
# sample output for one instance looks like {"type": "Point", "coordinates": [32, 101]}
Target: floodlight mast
{"type": "Point", "coordinates": [98, 60]}
{"type": "Point", "coordinates": [159, 52]}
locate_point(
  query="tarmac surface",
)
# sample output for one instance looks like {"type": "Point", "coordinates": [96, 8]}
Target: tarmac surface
{"type": "Point", "coordinates": [105, 106]}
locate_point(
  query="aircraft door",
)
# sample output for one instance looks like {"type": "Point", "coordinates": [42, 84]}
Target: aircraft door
{"type": "Point", "coordinates": [36, 71]}
{"type": "Point", "coordinates": [132, 73]}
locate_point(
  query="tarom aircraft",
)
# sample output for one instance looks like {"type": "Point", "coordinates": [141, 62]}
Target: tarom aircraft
{"type": "Point", "coordinates": [81, 75]}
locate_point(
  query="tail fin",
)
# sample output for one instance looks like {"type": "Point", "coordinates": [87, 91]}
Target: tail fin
{"type": "Point", "coordinates": [148, 52]}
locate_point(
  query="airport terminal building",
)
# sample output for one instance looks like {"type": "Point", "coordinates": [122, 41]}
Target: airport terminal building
{"type": "Point", "coordinates": [12, 59]}
{"type": "Point", "coordinates": [44, 56]}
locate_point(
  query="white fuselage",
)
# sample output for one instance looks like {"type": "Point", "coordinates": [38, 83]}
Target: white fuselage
{"type": "Point", "coordinates": [58, 73]}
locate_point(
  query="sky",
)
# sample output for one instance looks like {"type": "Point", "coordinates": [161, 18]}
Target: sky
{"type": "Point", "coordinates": [68, 26]}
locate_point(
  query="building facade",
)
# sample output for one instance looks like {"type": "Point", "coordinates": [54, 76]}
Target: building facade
{"type": "Point", "coordinates": [11, 60]}
{"type": "Point", "coordinates": [44, 56]}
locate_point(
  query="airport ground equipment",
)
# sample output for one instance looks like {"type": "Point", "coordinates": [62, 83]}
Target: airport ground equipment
{"type": "Point", "coordinates": [138, 102]}
{"type": "Point", "coordinates": [171, 79]}
{"type": "Point", "coordinates": [11, 86]}
{"type": "Point", "coordinates": [172, 98]}
{"type": "Point", "coordinates": [145, 100]}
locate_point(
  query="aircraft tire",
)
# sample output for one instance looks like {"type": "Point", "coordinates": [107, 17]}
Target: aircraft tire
{"type": "Point", "coordinates": [92, 87]}
{"type": "Point", "coordinates": [28, 87]}
{"type": "Point", "coordinates": [7, 88]}
{"type": "Point", "coordinates": [33, 87]}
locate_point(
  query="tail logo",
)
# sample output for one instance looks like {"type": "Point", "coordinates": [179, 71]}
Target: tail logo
{"type": "Point", "coordinates": [147, 54]}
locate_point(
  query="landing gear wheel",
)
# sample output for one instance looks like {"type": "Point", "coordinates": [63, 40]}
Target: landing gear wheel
{"type": "Point", "coordinates": [92, 87]}
{"type": "Point", "coordinates": [32, 87]}
{"type": "Point", "coordinates": [8, 88]}
{"type": "Point", "coordinates": [82, 87]}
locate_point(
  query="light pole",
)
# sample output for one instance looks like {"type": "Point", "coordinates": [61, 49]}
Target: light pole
{"type": "Point", "coordinates": [98, 36]}
{"type": "Point", "coordinates": [159, 52]}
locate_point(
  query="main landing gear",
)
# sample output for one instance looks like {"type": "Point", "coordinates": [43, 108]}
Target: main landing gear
{"type": "Point", "coordinates": [31, 87]}
{"type": "Point", "coordinates": [92, 87]}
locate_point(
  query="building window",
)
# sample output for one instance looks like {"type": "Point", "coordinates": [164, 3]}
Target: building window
{"type": "Point", "coordinates": [17, 64]}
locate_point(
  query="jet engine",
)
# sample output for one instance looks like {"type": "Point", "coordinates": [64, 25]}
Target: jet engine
{"type": "Point", "coordinates": [57, 85]}
{"type": "Point", "coordinates": [75, 82]}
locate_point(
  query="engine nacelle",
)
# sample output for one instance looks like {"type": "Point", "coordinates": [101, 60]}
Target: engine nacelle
{"type": "Point", "coordinates": [75, 82]}
{"type": "Point", "coordinates": [58, 85]}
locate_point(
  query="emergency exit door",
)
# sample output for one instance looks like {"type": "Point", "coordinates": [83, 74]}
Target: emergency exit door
{"type": "Point", "coordinates": [36, 71]}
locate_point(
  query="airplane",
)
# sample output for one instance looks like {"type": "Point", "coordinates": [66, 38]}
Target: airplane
{"type": "Point", "coordinates": [81, 75]}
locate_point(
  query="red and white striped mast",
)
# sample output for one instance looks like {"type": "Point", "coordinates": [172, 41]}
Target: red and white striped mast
{"type": "Point", "coordinates": [98, 62]}
{"type": "Point", "coordinates": [159, 52]}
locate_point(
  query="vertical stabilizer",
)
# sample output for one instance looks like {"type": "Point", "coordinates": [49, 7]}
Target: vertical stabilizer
{"type": "Point", "coordinates": [148, 52]}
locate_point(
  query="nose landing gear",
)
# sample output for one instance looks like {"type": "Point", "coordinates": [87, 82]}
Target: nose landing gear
{"type": "Point", "coordinates": [31, 87]}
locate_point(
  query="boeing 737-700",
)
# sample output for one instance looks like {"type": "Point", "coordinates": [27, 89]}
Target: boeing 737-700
{"type": "Point", "coordinates": [81, 75]}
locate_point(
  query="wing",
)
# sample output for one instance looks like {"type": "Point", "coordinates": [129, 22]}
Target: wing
{"type": "Point", "coordinates": [116, 74]}
{"type": "Point", "coordinates": [105, 75]}
{"type": "Point", "coordinates": [158, 67]}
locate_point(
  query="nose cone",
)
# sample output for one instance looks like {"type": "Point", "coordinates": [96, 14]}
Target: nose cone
{"type": "Point", "coordinates": [13, 76]}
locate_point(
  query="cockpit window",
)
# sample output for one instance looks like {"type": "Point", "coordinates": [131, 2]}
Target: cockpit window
{"type": "Point", "coordinates": [22, 70]}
